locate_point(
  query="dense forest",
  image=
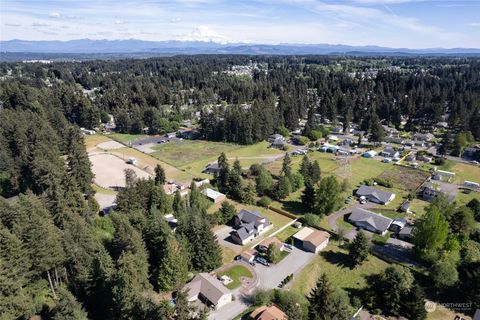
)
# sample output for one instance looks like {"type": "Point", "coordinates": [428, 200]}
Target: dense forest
{"type": "Point", "coordinates": [61, 260]}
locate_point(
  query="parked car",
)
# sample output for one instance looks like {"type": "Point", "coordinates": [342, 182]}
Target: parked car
{"type": "Point", "coordinates": [252, 263]}
{"type": "Point", "coordinates": [474, 162]}
{"type": "Point", "coordinates": [263, 261]}
{"type": "Point", "coordinates": [238, 258]}
{"type": "Point", "coordinates": [262, 248]}
{"type": "Point", "coordinates": [288, 246]}
{"type": "Point", "coordinates": [362, 200]}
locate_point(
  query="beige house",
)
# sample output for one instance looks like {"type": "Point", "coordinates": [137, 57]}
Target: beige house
{"type": "Point", "coordinates": [312, 240]}
{"type": "Point", "coordinates": [213, 195]}
{"type": "Point", "coordinates": [209, 290]}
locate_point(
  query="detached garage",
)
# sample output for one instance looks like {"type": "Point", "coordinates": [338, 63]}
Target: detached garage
{"type": "Point", "coordinates": [312, 240]}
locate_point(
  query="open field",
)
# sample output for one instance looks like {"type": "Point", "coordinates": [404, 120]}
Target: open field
{"type": "Point", "coordinates": [334, 261]}
{"type": "Point", "coordinates": [408, 179]}
{"type": "Point", "coordinates": [327, 164]}
{"type": "Point", "coordinates": [91, 142]}
{"type": "Point", "coordinates": [466, 172]}
{"type": "Point", "coordinates": [109, 170]}
{"type": "Point", "coordinates": [126, 138]}
{"type": "Point", "coordinates": [363, 168]}
{"type": "Point", "coordinates": [235, 273]}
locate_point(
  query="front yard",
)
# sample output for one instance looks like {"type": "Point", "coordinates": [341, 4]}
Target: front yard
{"type": "Point", "coordinates": [235, 273]}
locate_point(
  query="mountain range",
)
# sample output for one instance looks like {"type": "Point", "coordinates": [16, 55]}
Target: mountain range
{"type": "Point", "coordinates": [134, 47]}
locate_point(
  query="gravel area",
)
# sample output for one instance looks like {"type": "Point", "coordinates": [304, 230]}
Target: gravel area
{"type": "Point", "coordinates": [110, 145]}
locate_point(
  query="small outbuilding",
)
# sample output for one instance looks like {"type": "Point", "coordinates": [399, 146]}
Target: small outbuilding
{"type": "Point", "coordinates": [213, 195]}
{"type": "Point", "coordinates": [370, 154]}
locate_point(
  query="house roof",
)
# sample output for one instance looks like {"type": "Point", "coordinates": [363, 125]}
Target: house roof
{"type": "Point", "coordinates": [247, 216]}
{"type": "Point", "coordinates": [399, 222]}
{"type": "Point", "coordinates": [248, 254]}
{"type": "Point", "coordinates": [208, 286]}
{"type": "Point", "coordinates": [381, 195]}
{"type": "Point", "coordinates": [407, 230]}
{"type": "Point", "coordinates": [405, 205]}
{"type": "Point", "coordinates": [268, 313]}
{"type": "Point", "coordinates": [389, 150]}
{"type": "Point", "coordinates": [243, 233]}
{"type": "Point", "coordinates": [303, 234]}
{"type": "Point", "coordinates": [268, 241]}
{"type": "Point", "coordinates": [377, 221]}
{"type": "Point", "coordinates": [212, 194]}
{"type": "Point", "coordinates": [317, 237]}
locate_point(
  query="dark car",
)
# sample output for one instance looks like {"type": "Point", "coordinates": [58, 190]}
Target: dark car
{"type": "Point", "coordinates": [263, 261]}
{"type": "Point", "coordinates": [238, 258]}
{"type": "Point", "coordinates": [262, 248]}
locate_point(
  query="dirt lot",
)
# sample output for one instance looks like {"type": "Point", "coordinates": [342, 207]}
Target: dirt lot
{"type": "Point", "coordinates": [110, 145]}
{"type": "Point", "coordinates": [109, 170]}
{"type": "Point", "coordinates": [408, 179]}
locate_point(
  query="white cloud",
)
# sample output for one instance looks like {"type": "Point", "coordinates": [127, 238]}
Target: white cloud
{"type": "Point", "coordinates": [13, 24]}
{"type": "Point", "coordinates": [55, 15]}
{"type": "Point", "coordinates": [474, 24]}
{"type": "Point", "coordinates": [119, 22]}
{"type": "Point", "coordinates": [175, 20]}
{"type": "Point", "coordinates": [40, 24]}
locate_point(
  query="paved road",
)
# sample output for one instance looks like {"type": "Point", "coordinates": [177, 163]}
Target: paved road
{"type": "Point", "coordinates": [332, 219]}
{"type": "Point", "coordinates": [271, 277]}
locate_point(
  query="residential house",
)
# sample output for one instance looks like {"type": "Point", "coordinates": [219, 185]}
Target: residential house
{"type": "Point", "coordinates": [208, 290]}
{"type": "Point", "coordinates": [248, 255]}
{"type": "Point", "coordinates": [425, 137]}
{"type": "Point", "coordinates": [389, 131]}
{"type": "Point", "coordinates": [273, 240]}
{"type": "Point", "coordinates": [471, 153]}
{"type": "Point", "coordinates": [200, 183]}
{"type": "Point", "coordinates": [398, 224]}
{"type": "Point", "coordinates": [358, 132]}
{"type": "Point", "coordinates": [442, 175]}
{"type": "Point", "coordinates": [369, 154]}
{"type": "Point", "coordinates": [375, 195]}
{"type": "Point", "coordinates": [275, 136]}
{"type": "Point", "coordinates": [278, 143]}
{"type": "Point", "coordinates": [329, 148]}
{"type": "Point", "coordinates": [213, 195]}
{"type": "Point", "coordinates": [171, 135]}
{"type": "Point", "coordinates": [312, 240]}
{"type": "Point", "coordinates": [430, 190]}
{"type": "Point", "coordinates": [398, 140]}
{"type": "Point", "coordinates": [370, 221]}
{"type": "Point", "coordinates": [248, 225]}
{"type": "Point", "coordinates": [268, 313]}
{"type": "Point", "coordinates": [411, 157]}
{"type": "Point", "coordinates": [332, 138]}
{"type": "Point", "coordinates": [389, 152]}
{"type": "Point", "coordinates": [406, 233]}
{"type": "Point", "coordinates": [212, 168]}
{"type": "Point", "coordinates": [405, 207]}
{"type": "Point", "coordinates": [471, 184]}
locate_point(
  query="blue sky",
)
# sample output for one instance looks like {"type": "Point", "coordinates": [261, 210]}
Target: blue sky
{"type": "Point", "coordinates": [392, 23]}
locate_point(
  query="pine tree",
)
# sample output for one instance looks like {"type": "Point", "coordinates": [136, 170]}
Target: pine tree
{"type": "Point", "coordinates": [264, 182]}
{"type": "Point", "coordinates": [286, 166]}
{"type": "Point", "coordinates": [183, 309]}
{"type": "Point", "coordinates": [305, 167]}
{"type": "Point", "coordinates": [173, 269]}
{"type": "Point", "coordinates": [327, 196]}
{"type": "Point", "coordinates": [315, 172]}
{"type": "Point", "coordinates": [68, 308]}
{"type": "Point", "coordinates": [359, 248]}
{"type": "Point", "coordinates": [160, 177]}
{"type": "Point", "coordinates": [325, 303]}
{"type": "Point", "coordinates": [414, 304]}
{"type": "Point", "coordinates": [249, 194]}
{"type": "Point", "coordinates": [79, 166]}
{"type": "Point", "coordinates": [224, 174]}
{"type": "Point", "coordinates": [308, 195]}
{"type": "Point", "coordinates": [282, 188]}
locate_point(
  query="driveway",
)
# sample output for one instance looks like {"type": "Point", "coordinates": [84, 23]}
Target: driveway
{"type": "Point", "coordinates": [332, 219]}
{"type": "Point", "coordinates": [224, 238]}
{"type": "Point", "coordinates": [232, 309]}
{"type": "Point", "coordinates": [271, 277]}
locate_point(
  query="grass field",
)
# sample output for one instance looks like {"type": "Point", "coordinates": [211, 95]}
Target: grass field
{"type": "Point", "coordinates": [126, 138]}
{"type": "Point", "coordinates": [92, 141]}
{"type": "Point", "coordinates": [235, 273]}
{"type": "Point", "coordinates": [286, 233]}
{"type": "Point", "coordinates": [334, 261]}
{"type": "Point", "coordinates": [363, 168]}
{"type": "Point", "coordinates": [466, 172]}
{"type": "Point", "coordinates": [327, 164]}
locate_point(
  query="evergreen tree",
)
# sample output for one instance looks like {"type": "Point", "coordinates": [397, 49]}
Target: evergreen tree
{"type": "Point", "coordinates": [325, 303]}
{"type": "Point", "coordinates": [235, 183]}
{"type": "Point", "coordinates": [174, 267]}
{"type": "Point", "coordinates": [227, 212]}
{"type": "Point", "coordinates": [249, 194]}
{"type": "Point", "coordinates": [359, 248]}
{"type": "Point", "coordinates": [183, 309]}
{"type": "Point", "coordinates": [273, 253]}
{"type": "Point", "coordinates": [286, 166]}
{"type": "Point", "coordinates": [282, 188]}
{"type": "Point", "coordinates": [68, 308]}
{"type": "Point", "coordinates": [308, 195]}
{"type": "Point", "coordinates": [78, 161]}
{"type": "Point", "coordinates": [327, 196]}
{"type": "Point", "coordinates": [430, 234]}
{"type": "Point", "coordinates": [414, 304]}
{"type": "Point", "coordinates": [224, 173]}
{"type": "Point", "coordinates": [160, 177]}
{"type": "Point", "coordinates": [264, 182]}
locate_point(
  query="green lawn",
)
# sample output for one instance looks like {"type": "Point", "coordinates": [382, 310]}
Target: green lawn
{"type": "Point", "coordinates": [334, 261]}
{"type": "Point", "coordinates": [466, 172]}
{"type": "Point", "coordinates": [126, 138]}
{"type": "Point", "coordinates": [286, 233]}
{"type": "Point", "coordinates": [235, 273]}
{"type": "Point", "coordinates": [363, 168]}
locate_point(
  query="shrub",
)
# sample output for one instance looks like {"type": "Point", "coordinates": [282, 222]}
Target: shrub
{"type": "Point", "coordinates": [311, 219]}
{"type": "Point", "coordinates": [302, 140]}
{"type": "Point", "coordinates": [264, 201]}
{"type": "Point", "coordinates": [384, 182]}
{"type": "Point", "coordinates": [439, 161]}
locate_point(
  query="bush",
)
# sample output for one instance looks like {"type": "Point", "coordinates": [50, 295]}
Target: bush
{"type": "Point", "coordinates": [384, 182]}
{"type": "Point", "coordinates": [302, 140]}
{"type": "Point", "coordinates": [368, 182]}
{"type": "Point", "coordinates": [264, 201]}
{"type": "Point", "coordinates": [314, 135]}
{"type": "Point", "coordinates": [255, 169]}
{"type": "Point", "coordinates": [311, 219]}
{"type": "Point", "coordinates": [439, 161]}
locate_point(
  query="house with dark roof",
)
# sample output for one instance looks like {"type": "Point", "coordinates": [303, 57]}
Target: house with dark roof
{"type": "Point", "coordinates": [278, 143]}
{"type": "Point", "coordinates": [370, 221]}
{"type": "Point", "coordinates": [375, 195]}
{"type": "Point", "coordinates": [398, 224]}
{"type": "Point", "coordinates": [423, 136]}
{"type": "Point", "coordinates": [406, 233]}
{"type": "Point", "coordinates": [212, 168]}
{"type": "Point", "coordinates": [248, 225]}
{"type": "Point", "coordinates": [389, 152]}
{"type": "Point", "coordinates": [431, 190]}
{"type": "Point", "coordinates": [208, 290]}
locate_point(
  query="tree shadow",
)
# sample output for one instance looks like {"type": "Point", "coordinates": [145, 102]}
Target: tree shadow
{"type": "Point", "coordinates": [338, 258]}
{"type": "Point", "coordinates": [294, 207]}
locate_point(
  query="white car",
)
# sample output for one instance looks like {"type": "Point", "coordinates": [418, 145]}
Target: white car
{"type": "Point", "coordinates": [474, 162]}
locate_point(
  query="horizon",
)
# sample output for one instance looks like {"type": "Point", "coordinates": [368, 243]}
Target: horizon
{"type": "Point", "coordinates": [409, 24]}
